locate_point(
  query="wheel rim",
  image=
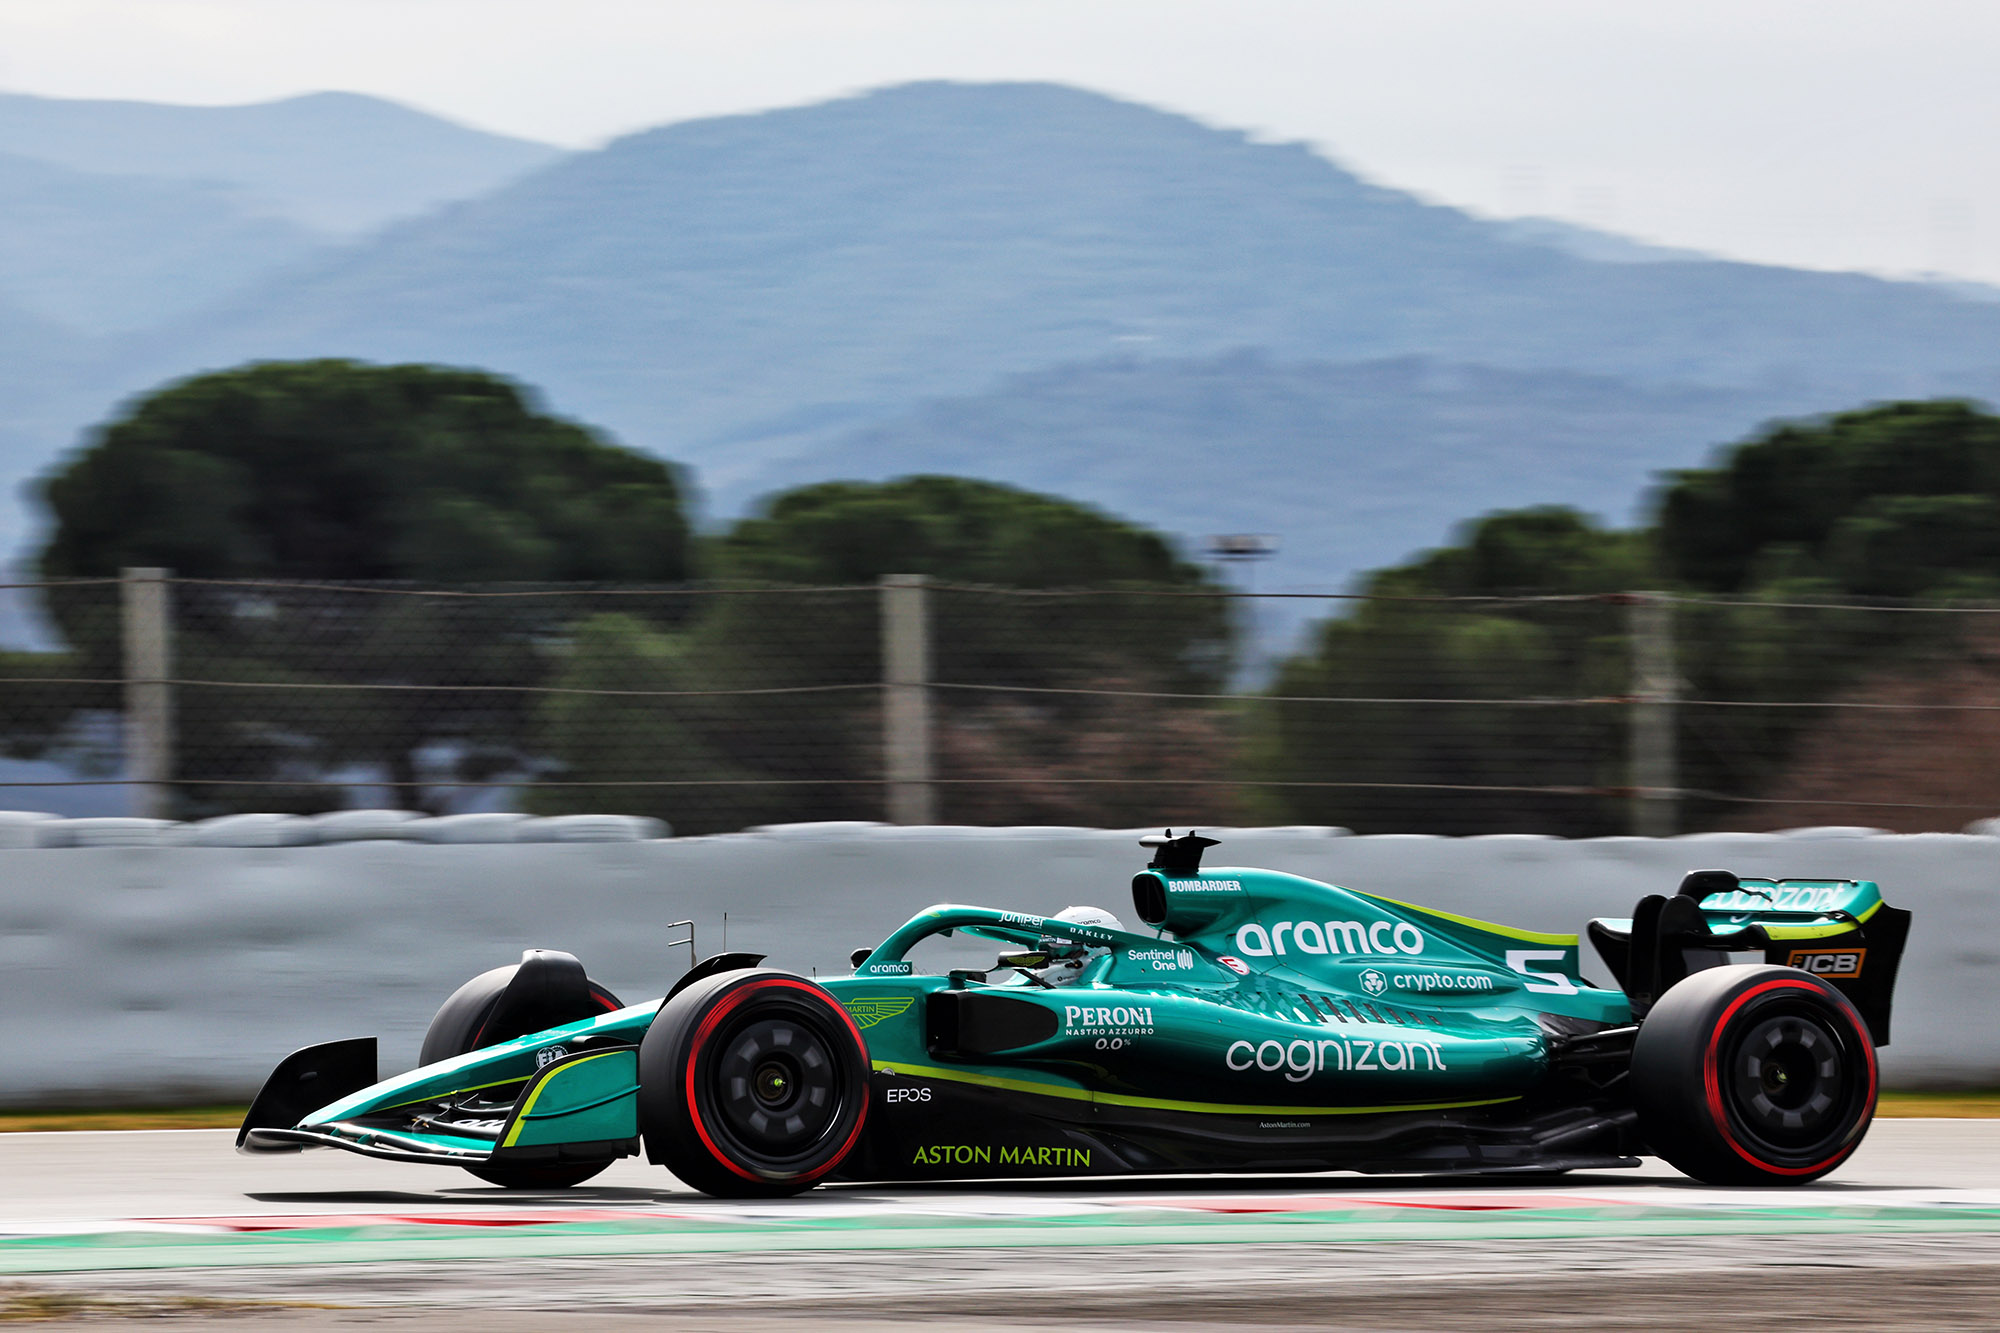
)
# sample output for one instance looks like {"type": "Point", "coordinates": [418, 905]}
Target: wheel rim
{"type": "Point", "coordinates": [1791, 1083]}
{"type": "Point", "coordinates": [776, 1087]}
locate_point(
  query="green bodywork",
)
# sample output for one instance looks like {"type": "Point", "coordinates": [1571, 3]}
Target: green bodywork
{"type": "Point", "coordinates": [1161, 1021]}
{"type": "Point", "coordinates": [543, 1093]}
{"type": "Point", "coordinates": [1264, 1001]}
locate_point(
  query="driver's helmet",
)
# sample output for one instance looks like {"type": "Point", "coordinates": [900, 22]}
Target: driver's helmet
{"type": "Point", "coordinates": [1066, 958]}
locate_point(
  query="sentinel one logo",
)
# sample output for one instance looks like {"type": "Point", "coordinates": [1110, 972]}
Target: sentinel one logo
{"type": "Point", "coordinates": [1163, 960]}
{"type": "Point", "coordinates": [1302, 1059]}
{"type": "Point", "coordinates": [1335, 937]}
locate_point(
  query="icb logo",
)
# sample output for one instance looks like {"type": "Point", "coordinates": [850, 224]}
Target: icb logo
{"type": "Point", "coordinates": [1374, 982]}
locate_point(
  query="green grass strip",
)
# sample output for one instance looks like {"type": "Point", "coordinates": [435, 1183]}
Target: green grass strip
{"type": "Point", "coordinates": [178, 1117]}
{"type": "Point", "coordinates": [643, 1235]}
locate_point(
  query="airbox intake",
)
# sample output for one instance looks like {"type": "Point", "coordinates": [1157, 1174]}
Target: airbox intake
{"type": "Point", "coordinates": [1185, 905]}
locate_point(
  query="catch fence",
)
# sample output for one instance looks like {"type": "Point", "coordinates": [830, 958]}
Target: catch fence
{"type": "Point", "coordinates": [913, 701]}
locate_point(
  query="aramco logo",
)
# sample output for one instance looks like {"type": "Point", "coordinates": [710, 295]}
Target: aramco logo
{"type": "Point", "coordinates": [1348, 937]}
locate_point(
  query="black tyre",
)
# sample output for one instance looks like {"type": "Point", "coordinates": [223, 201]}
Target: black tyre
{"type": "Point", "coordinates": [1754, 1076]}
{"type": "Point", "coordinates": [752, 1084]}
{"type": "Point", "coordinates": [465, 1022]}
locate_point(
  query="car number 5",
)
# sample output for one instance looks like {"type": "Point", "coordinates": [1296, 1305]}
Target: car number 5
{"type": "Point", "coordinates": [1547, 983]}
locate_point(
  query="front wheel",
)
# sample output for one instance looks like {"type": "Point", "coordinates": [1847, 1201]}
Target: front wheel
{"type": "Point", "coordinates": [490, 1009]}
{"type": "Point", "coordinates": [1754, 1076]}
{"type": "Point", "coordinates": [752, 1084]}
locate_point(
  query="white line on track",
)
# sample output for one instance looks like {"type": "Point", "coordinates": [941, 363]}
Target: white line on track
{"type": "Point", "coordinates": [55, 1184]}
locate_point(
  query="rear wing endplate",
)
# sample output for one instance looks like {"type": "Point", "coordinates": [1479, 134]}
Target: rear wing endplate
{"type": "Point", "coordinates": [1839, 930]}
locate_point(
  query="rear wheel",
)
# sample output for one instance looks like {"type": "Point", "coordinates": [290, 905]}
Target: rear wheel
{"type": "Point", "coordinates": [1754, 1075]}
{"type": "Point", "coordinates": [466, 1022]}
{"type": "Point", "coordinates": [752, 1084]}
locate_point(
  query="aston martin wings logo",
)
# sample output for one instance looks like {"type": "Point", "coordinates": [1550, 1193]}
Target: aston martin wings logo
{"type": "Point", "coordinates": [868, 1010]}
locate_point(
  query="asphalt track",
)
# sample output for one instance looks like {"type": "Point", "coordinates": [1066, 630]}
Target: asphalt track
{"type": "Point", "coordinates": [106, 1228]}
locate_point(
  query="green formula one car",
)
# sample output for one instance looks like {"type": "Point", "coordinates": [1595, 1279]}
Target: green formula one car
{"type": "Point", "coordinates": [1267, 1023]}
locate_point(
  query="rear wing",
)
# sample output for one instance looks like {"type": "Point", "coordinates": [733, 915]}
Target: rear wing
{"type": "Point", "coordinates": [1840, 930]}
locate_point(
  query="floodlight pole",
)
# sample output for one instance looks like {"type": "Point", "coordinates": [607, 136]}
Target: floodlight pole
{"type": "Point", "coordinates": [1245, 549]}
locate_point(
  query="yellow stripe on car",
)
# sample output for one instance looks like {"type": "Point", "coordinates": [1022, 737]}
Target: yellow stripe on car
{"type": "Point", "coordinates": [1158, 1104]}
{"type": "Point", "coordinates": [535, 1094]}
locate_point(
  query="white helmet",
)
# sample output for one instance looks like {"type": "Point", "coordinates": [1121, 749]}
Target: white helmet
{"type": "Point", "coordinates": [1067, 959]}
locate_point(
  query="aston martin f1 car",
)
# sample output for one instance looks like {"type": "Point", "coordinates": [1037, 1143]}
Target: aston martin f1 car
{"type": "Point", "coordinates": [1266, 1023]}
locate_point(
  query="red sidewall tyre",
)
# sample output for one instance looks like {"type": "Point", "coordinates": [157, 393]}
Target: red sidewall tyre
{"type": "Point", "coordinates": [1754, 1075]}
{"type": "Point", "coordinates": [752, 1084]}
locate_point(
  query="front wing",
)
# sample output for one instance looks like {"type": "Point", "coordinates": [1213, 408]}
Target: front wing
{"type": "Point", "coordinates": [579, 1105]}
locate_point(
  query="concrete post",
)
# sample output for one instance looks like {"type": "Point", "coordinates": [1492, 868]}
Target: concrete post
{"type": "Point", "coordinates": [906, 704]}
{"type": "Point", "coordinates": [1653, 769]}
{"type": "Point", "coordinates": [149, 705]}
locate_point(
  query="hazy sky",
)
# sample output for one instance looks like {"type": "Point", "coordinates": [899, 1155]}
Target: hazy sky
{"type": "Point", "coordinates": [1836, 133]}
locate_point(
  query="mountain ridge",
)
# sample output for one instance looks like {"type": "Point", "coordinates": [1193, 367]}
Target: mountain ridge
{"type": "Point", "coordinates": [1345, 460]}
{"type": "Point", "coordinates": [103, 254]}
{"type": "Point", "coordinates": [1325, 264]}
{"type": "Point", "coordinates": [334, 162]}
{"type": "Point", "coordinates": [752, 294]}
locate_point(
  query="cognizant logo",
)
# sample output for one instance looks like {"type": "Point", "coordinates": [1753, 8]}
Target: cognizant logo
{"type": "Point", "coordinates": [1348, 937]}
{"type": "Point", "coordinates": [1300, 1060]}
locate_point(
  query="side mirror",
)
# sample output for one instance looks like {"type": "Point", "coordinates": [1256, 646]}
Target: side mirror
{"type": "Point", "coordinates": [1700, 884]}
{"type": "Point", "coordinates": [858, 957]}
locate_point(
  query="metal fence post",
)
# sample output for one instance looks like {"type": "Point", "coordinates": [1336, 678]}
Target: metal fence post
{"type": "Point", "coordinates": [149, 705]}
{"type": "Point", "coordinates": [906, 705]}
{"type": "Point", "coordinates": [1653, 772]}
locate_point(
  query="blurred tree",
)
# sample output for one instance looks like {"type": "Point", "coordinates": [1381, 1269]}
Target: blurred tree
{"type": "Point", "coordinates": [725, 749]}
{"type": "Point", "coordinates": [951, 528]}
{"type": "Point", "coordinates": [337, 470]}
{"type": "Point", "coordinates": [340, 471]}
{"type": "Point", "coordinates": [1916, 754]}
{"type": "Point", "coordinates": [1900, 501]}
{"type": "Point", "coordinates": [1894, 501]}
{"type": "Point", "coordinates": [1415, 645]}
{"type": "Point", "coordinates": [976, 538]}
